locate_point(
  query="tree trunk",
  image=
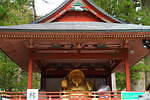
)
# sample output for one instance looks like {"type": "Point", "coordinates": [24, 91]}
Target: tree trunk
{"type": "Point", "coordinates": [139, 85]}
{"type": "Point", "coordinates": [146, 3]}
{"type": "Point", "coordinates": [147, 80]}
{"type": "Point", "coordinates": [147, 74]}
{"type": "Point", "coordinates": [19, 75]}
{"type": "Point", "coordinates": [34, 10]}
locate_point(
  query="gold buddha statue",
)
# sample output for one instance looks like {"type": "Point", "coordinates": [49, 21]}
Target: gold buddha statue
{"type": "Point", "coordinates": [76, 81]}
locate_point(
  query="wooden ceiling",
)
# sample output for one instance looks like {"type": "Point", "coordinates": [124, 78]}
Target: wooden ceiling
{"type": "Point", "coordinates": [100, 58]}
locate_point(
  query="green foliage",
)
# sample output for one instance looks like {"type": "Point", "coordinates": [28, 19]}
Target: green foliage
{"type": "Point", "coordinates": [7, 73]}
{"type": "Point", "coordinates": [36, 81]}
{"type": "Point", "coordinates": [141, 67]}
{"type": "Point", "coordinates": [120, 80]}
{"type": "Point", "coordinates": [15, 12]}
{"type": "Point", "coordinates": [12, 77]}
{"type": "Point", "coordinates": [125, 10]}
{"type": "Point", "coordinates": [135, 74]}
{"type": "Point", "coordinates": [144, 15]}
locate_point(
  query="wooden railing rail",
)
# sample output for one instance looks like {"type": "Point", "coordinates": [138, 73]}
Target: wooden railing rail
{"type": "Point", "coordinates": [80, 95]}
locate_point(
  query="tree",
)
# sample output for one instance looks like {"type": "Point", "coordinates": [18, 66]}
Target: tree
{"type": "Point", "coordinates": [7, 73]}
{"type": "Point", "coordinates": [125, 10]}
{"type": "Point", "coordinates": [13, 12]}
{"type": "Point", "coordinates": [14, 78]}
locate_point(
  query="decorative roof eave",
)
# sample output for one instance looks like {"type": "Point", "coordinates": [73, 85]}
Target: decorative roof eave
{"type": "Point", "coordinates": [75, 36]}
{"type": "Point", "coordinates": [100, 11]}
{"type": "Point", "coordinates": [75, 30]}
{"type": "Point", "coordinates": [59, 10]}
{"type": "Point", "coordinates": [108, 31]}
{"type": "Point", "coordinates": [97, 11]}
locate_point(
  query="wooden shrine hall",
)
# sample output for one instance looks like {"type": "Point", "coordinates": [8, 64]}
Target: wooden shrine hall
{"type": "Point", "coordinates": [76, 35]}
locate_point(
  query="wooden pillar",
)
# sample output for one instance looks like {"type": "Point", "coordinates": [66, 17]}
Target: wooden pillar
{"type": "Point", "coordinates": [30, 71]}
{"type": "Point", "coordinates": [127, 72]}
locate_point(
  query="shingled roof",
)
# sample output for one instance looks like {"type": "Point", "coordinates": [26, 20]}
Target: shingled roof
{"type": "Point", "coordinates": [76, 27]}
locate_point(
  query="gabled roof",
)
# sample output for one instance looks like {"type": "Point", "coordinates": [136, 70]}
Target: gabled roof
{"type": "Point", "coordinates": [67, 6]}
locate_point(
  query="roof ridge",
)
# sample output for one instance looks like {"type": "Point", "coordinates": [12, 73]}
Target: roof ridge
{"type": "Point", "coordinates": [70, 3]}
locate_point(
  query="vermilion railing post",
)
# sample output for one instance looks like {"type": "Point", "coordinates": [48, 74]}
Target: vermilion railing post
{"type": "Point", "coordinates": [127, 72]}
{"type": "Point", "coordinates": [30, 71]}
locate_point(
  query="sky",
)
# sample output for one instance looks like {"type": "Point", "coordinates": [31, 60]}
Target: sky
{"type": "Point", "coordinates": [45, 6]}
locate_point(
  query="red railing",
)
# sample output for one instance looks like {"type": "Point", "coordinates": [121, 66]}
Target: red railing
{"type": "Point", "coordinates": [109, 95]}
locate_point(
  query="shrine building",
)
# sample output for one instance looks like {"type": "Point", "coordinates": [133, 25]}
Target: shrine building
{"type": "Point", "coordinates": [76, 35]}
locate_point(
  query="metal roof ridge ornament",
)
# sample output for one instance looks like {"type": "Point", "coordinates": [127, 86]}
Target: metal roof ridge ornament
{"type": "Point", "coordinates": [78, 6]}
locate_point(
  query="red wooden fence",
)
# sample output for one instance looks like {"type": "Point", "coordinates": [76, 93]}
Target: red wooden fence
{"type": "Point", "coordinates": [109, 95]}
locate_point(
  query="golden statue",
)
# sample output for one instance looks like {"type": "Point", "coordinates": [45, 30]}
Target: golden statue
{"type": "Point", "coordinates": [76, 81]}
